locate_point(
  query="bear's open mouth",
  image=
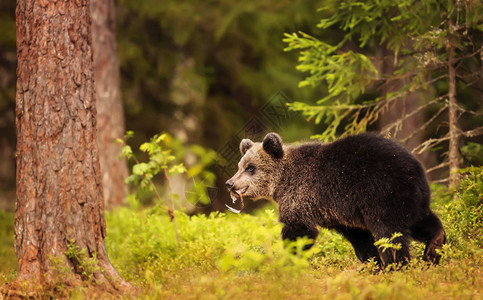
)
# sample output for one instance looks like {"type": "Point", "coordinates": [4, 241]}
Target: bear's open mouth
{"type": "Point", "coordinates": [234, 196]}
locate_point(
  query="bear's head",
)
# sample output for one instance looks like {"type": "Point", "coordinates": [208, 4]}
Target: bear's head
{"type": "Point", "coordinates": [258, 168]}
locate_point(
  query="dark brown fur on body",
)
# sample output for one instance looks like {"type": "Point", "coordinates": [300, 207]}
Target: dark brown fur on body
{"type": "Point", "coordinates": [365, 186]}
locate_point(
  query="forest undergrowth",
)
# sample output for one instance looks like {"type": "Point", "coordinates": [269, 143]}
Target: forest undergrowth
{"type": "Point", "coordinates": [229, 256]}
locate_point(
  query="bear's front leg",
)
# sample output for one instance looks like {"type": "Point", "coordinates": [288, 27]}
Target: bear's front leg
{"type": "Point", "coordinates": [291, 231]}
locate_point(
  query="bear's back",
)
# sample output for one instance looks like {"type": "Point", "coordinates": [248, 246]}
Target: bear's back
{"type": "Point", "coordinates": [366, 169]}
{"type": "Point", "coordinates": [366, 150]}
{"type": "Point", "coordinates": [369, 152]}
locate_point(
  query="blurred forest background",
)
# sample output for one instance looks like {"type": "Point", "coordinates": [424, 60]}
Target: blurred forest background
{"type": "Point", "coordinates": [211, 72]}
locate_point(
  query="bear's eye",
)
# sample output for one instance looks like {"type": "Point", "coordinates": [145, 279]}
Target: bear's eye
{"type": "Point", "coordinates": [250, 169]}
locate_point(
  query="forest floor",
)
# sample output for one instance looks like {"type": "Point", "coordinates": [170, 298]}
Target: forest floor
{"type": "Point", "coordinates": [228, 256]}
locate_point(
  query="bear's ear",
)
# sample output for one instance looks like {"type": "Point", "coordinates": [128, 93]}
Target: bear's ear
{"type": "Point", "coordinates": [272, 144]}
{"type": "Point", "coordinates": [245, 144]}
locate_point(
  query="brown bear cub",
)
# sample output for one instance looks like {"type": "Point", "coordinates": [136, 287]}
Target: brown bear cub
{"type": "Point", "coordinates": [365, 187]}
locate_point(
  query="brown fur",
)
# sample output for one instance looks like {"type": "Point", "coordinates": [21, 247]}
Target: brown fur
{"type": "Point", "coordinates": [365, 187]}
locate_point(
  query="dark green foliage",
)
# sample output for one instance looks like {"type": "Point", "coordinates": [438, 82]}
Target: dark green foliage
{"type": "Point", "coordinates": [416, 32]}
{"type": "Point", "coordinates": [464, 215]}
{"type": "Point", "coordinates": [197, 69]}
{"type": "Point", "coordinates": [7, 55]}
{"type": "Point", "coordinates": [473, 153]}
{"type": "Point", "coordinates": [214, 63]}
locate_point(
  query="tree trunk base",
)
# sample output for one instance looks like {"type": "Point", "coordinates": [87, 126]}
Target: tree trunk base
{"type": "Point", "coordinates": [65, 276]}
{"type": "Point", "coordinates": [106, 285]}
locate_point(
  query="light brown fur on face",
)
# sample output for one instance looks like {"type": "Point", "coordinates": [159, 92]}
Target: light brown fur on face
{"type": "Point", "coordinates": [255, 173]}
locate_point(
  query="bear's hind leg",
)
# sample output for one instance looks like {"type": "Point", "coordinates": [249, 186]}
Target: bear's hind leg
{"type": "Point", "coordinates": [430, 231]}
{"type": "Point", "coordinates": [391, 255]}
{"type": "Point", "coordinates": [295, 230]}
{"type": "Point", "coordinates": [362, 241]}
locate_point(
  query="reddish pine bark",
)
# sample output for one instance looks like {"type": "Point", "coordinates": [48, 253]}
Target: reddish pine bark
{"type": "Point", "coordinates": [110, 114]}
{"type": "Point", "coordinates": [59, 191]}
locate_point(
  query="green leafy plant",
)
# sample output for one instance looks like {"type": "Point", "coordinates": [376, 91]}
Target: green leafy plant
{"type": "Point", "coordinates": [159, 160]}
{"type": "Point", "coordinates": [165, 156]}
{"type": "Point", "coordinates": [464, 216]}
{"type": "Point", "coordinates": [168, 156]}
{"type": "Point", "coordinates": [388, 243]}
{"type": "Point", "coordinates": [87, 265]}
{"type": "Point", "coordinates": [61, 272]}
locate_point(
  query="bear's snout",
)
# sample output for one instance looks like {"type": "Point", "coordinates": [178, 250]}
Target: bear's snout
{"type": "Point", "coordinates": [229, 184]}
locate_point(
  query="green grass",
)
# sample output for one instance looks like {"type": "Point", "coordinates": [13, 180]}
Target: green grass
{"type": "Point", "coordinates": [228, 256]}
{"type": "Point", "coordinates": [8, 261]}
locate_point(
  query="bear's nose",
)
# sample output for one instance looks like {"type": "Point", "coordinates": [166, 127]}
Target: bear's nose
{"type": "Point", "coordinates": [229, 183]}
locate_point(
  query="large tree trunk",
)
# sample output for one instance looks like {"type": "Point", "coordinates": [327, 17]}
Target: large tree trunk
{"type": "Point", "coordinates": [110, 114]}
{"type": "Point", "coordinates": [59, 191]}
